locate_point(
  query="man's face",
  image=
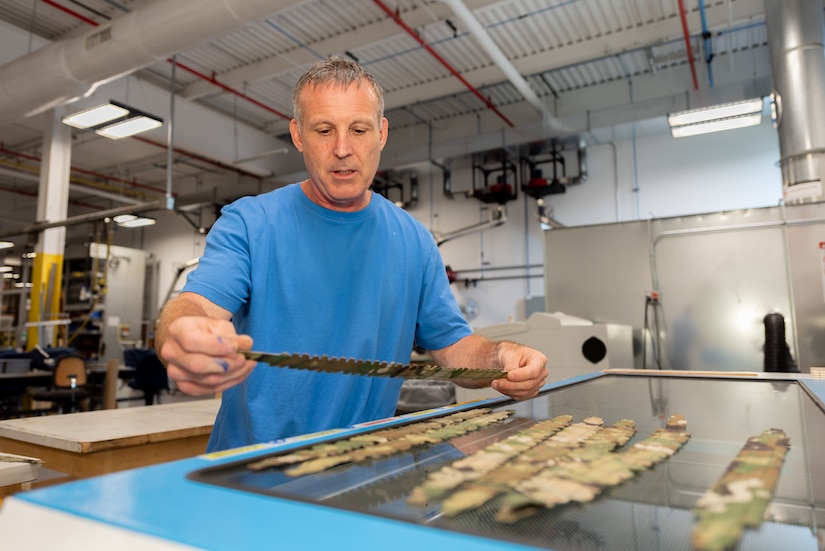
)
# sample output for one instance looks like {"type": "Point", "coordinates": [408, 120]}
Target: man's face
{"type": "Point", "coordinates": [341, 138]}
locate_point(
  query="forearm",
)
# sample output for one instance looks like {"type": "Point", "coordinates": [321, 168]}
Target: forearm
{"type": "Point", "coordinates": [472, 351]}
{"type": "Point", "coordinates": [526, 367]}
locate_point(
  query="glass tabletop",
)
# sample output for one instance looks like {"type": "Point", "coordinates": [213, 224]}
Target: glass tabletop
{"type": "Point", "coordinates": [652, 510]}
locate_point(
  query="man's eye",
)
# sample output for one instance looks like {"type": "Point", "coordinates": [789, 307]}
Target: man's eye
{"type": "Point", "coordinates": [324, 131]}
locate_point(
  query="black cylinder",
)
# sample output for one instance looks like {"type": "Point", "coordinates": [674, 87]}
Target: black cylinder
{"type": "Point", "coordinates": [777, 354]}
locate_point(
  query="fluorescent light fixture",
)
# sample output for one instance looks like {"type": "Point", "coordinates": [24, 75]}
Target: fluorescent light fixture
{"type": "Point", "coordinates": [6, 244]}
{"type": "Point", "coordinates": [137, 222]}
{"type": "Point", "coordinates": [96, 116]}
{"type": "Point", "coordinates": [6, 269]}
{"type": "Point", "coordinates": [123, 218]}
{"type": "Point", "coordinates": [129, 127]}
{"type": "Point", "coordinates": [113, 120]}
{"type": "Point", "coordinates": [715, 119]}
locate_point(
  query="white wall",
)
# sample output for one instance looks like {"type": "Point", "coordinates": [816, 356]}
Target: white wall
{"type": "Point", "coordinates": [665, 177]}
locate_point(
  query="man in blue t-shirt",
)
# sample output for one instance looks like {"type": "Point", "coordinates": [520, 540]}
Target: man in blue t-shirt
{"type": "Point", "coordinates": [322, 267]}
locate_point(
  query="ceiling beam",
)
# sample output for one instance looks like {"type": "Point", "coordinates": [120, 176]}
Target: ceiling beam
{"type": "Point", "coordinates": [368, 34]}
{"type": "Point", "coordinates": [573, 54]}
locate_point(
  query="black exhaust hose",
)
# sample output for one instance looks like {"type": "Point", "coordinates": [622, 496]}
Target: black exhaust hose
{"type": "Point", "coordinates": [777, 354]}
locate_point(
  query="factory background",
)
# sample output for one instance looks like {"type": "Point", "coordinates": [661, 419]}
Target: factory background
{"type": "Point", "coordinates": [557, 151]}
{"type": "Point", "coordinates": [564, 106]}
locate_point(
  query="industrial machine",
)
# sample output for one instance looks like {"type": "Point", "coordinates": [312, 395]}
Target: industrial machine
{"type": "Point", "coordinates": [573, 346]}
{"type": "Point", "coordinates": [219, 501]}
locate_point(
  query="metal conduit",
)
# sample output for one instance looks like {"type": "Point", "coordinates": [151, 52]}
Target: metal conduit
{"type": "Point", "coordinates": [485, 40]}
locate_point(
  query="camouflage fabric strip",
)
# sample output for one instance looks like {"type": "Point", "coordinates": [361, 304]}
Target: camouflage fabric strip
{"type": "Point", "coordinates": [378, 451]}
{"type": "Point", "coordinates": [382, 443]}
{"type": "Point", "coordinates": [577, 442]}
{"type": "Point", "coordinates": [475, 465]}
{"type": "Point", "coordinates": [739, 498]}
{"type": "Point", "coordinates": [580, 476]}
{"type": "Point", "coordinates": [372, 368]}
{"type": "Point", "coordinates": [366, 439]}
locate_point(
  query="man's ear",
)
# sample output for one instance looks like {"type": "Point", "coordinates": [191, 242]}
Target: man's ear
{"type": "Point", "coordinates": [385, 126]}
{"type": "Point", "coordinates": [295, 132]}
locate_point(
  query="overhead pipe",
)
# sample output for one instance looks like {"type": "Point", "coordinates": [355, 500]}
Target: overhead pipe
{"type": "Point", "coordinates": [707, 42]}
{"type": "Point", "coordinates": [211, 79]}
{"type": "Point", "coordinates": [795, 42]}
{"type": "Point", "coordinates": [169, 194]}
{"type": "Point", "coordinates": [200, 158]}
{"type": "Point", "coordinates": [485, 41]}
{"type": "Point", "coordinates": [105, 177]}
{"type": "Point", "coordinates": [84, 218]}
{"type": "Point", "coordinates": [75, 184]}
{"type": "Point", "coordinates": [400, 22]}
{"type": "Point", "coordinates": [683, 16]}
{"type": "Point", "coordinates": [545, 215]}
{"type": "Point", "coordinates": [496, 217]}
{"type": "Point", "coordinates": [36, 179]}
{"type": "Point", "coordinates": [71, 12]}
{"type": "Point", "coordinates": [72, 68]}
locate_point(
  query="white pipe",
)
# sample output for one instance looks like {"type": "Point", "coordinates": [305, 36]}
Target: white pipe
{"type": "Point", "coordinates": [485, 41]}
{"type": "Point", "coordinates": [69, 69]}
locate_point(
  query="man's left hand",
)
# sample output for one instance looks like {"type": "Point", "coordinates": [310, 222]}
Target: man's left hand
{"type": "Point", "coordinates": [526, 371]}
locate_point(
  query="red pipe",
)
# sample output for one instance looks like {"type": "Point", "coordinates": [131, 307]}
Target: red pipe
{"type": "Point", "coordinates": [687, 44]}
{"type": "Point", "coordinates": [395, 17]}
{"type": "Point", "coordinates": [34, 194]}
{"type": "Point", "coordinates": [214, 81]}
{"type": "Point", "coordinates": [198, 157]}
{"type": "Point", "coordinates": [105, 177]}
{"type": "Point", "coordinates": [182, 66]}
{"type": "Point", "coordinates": [73, 13]}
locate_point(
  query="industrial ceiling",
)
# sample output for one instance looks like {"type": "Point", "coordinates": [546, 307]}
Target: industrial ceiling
{"type": "Point", "coordinates": [540, 69]}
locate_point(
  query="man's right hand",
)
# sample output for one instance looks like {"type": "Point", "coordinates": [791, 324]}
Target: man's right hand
{"type": "Point", "coordinates": [199, 346]}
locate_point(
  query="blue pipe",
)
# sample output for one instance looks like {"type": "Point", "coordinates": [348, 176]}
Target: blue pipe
{"type": "Point", "coordinates": [708, 43]}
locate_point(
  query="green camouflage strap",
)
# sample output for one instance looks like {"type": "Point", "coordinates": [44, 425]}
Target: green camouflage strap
{"type": "Point", "coordinates": [740, 497]}
{"type": "Point", "coordinates": [371, 368]}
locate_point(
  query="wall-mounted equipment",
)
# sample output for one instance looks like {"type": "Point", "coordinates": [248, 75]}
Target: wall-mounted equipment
{"type": "Point", "coordinates": [544, 167]}
{"type": "Point", "coordinates": [113, 120]}
{"type": "Point", "coordinates": [726, 116]}
{"type": "Point", "coordinates": [399, 186]}
{"type": "Point", "coordinates": [494, 177]}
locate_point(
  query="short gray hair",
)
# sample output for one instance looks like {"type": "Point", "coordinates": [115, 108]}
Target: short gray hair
{"type": "Point", "coordinates": [335, 71]}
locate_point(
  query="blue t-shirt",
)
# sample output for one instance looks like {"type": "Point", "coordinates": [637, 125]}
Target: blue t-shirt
{"type": "Point", "coordinates": [304, 279]}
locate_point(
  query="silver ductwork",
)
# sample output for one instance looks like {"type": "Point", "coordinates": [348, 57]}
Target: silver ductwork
{"type": "Point", "coordinates": [69, 69]}
{"type": "Point", "coordinates": [475, 28]}
{"type": "Point", "coordinates": [795, 37]}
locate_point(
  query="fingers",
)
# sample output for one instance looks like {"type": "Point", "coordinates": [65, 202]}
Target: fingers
{"type": "Point", "coordinates": [526, 372]}
{"type": "Point", "coordinates": [201, 384]}
{"type": "Point", "coordinates": [201, 355]}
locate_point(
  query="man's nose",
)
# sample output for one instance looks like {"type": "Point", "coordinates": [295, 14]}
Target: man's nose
{"type": "Point", "coordinates": [343, 147]}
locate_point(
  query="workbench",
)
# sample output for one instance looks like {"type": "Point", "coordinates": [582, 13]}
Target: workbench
{"type": "Point", "coordinates": [15, 471]}
{"type": "Point", "coordinates": [215, 502]}
{"type": "Point", "coordinates": [97, 442]}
